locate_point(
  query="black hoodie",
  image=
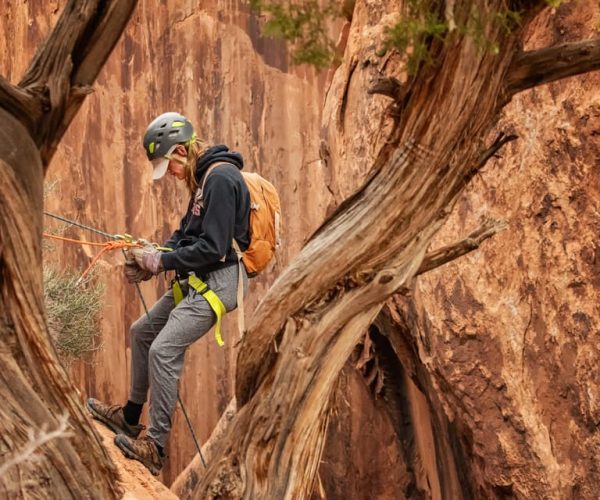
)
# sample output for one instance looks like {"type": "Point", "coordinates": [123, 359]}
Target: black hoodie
{"type": "Point", "coordinates": [207, 230]}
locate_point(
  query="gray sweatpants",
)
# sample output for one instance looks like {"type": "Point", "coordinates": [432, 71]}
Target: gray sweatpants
{"type": "Point", "coordinates": [158, 346]}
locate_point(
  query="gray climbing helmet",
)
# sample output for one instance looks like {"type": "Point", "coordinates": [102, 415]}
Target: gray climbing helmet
{"type": "Point", "coordinates": [162, 136]}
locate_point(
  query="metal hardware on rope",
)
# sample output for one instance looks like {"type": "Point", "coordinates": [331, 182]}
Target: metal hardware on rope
{"type": "Point", "coordinates": [139, 291]}
{"type": "Point", "coordinates": [118, 237]}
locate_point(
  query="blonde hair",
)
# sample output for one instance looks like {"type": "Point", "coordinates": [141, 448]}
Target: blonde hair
{"type": "Point", "coordinates": [196, 148]}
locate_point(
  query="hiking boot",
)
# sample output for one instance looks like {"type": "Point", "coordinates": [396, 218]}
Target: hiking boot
{"type": "Point", "coordinates": [113, 418]}
{"type": "Point", "coordinates": [143, 450]}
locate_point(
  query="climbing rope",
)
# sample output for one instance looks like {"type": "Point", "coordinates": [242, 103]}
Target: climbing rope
{"type": "Point", "coordinates": [106, 247]}
{"type": "Point", "coordinates": [79, 224]}
{"type": "Point", "coordinates": [121, 242]}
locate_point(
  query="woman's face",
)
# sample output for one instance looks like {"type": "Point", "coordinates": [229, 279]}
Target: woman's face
{"type": "Point", "coordinates": [176, 169]}
{"type": "Point", "coordinates": [177, 161]}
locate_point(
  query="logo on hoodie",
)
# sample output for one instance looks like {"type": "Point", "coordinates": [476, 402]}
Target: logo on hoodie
{"type": "Point", "coordinates": [198, 202]}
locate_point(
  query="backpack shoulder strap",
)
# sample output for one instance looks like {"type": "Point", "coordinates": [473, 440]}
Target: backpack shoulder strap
{"type": "Point", "coordinates": [236, 247]}
{"type": "Point", "coordinates": [210, 169]}
{"type": "Point", "coordinates": [240, 291]}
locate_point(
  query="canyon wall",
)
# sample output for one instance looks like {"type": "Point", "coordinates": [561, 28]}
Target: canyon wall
{"type": "Point", "coordinates": [484, 382]}
{"type": "Point", "coordinates": [487, 370]}
{"type": "Point", "coordinates": [511, 332]}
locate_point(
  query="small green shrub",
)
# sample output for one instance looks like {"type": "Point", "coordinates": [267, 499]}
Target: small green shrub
{"type": "Point", "coordinates": [73, 312]}
{"type": "Point", "coordinates": [304, 25]}
{"type": "Point", "coordinates": [409, 37]}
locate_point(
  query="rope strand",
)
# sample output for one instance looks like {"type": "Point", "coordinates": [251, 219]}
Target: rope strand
{"type": "Point", "coordinates": [106, 247]}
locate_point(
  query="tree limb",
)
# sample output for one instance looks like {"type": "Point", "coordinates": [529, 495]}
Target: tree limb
{"type": "Point", "coordinates": [66, 65]}
{"type": "Point", "coordinates": [389, 87]}
{"type": "Point", "coordinates": [500, 141]}
{"type": "Point", "coordinates": [36, 440]}
{"type": "Point", "coordinates": [530, 69]}
{"type": "Point", "coordinates": [448, 253]}
{"type": "Point", "coordinates": [17, 102]}
{"type": "Point", "coordinates": [486, 154]}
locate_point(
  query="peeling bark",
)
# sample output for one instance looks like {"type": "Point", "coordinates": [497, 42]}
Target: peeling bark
{"type": "Point", "coordinates": [33, 385]}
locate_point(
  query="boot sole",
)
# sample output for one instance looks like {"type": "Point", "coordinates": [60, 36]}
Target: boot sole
{"type": "Point", "coordinates": [108, 423]}
{"type": "Point", "coordinates": [122, 445]}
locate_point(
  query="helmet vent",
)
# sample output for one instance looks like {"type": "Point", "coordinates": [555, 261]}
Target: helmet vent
{"type": "Point", "coordinates": [165, 132]}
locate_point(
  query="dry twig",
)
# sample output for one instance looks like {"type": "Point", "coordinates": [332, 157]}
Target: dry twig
{"type": "Point", "coordinates": [36, 440]}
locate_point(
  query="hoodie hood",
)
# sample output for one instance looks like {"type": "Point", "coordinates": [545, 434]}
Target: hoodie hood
{"type": "Point", "coordinates": [217, 153]}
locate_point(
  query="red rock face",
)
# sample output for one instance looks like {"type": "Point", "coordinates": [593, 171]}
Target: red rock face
{"type": "Point", "coordinates": [500, 391]}
{"type": "Point", "coordinates": [513, 328]}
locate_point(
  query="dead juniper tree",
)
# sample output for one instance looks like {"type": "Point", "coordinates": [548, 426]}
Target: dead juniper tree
{"type": "Point", "coordinates": [305, 328]}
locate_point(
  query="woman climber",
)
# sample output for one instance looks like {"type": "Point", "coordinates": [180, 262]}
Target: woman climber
{"type": "Point", "coordinates": [205, 260]}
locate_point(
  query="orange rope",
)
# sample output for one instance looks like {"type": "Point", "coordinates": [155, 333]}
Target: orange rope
{"type": "Point", "coordinates": [106, 247]}
{"type": "Point", "coordinates": [70, 240]}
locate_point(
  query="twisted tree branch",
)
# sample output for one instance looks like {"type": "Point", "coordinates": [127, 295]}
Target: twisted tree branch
{"type": "Point", "coordinates": [63, 69]}
{"type": "Point", "coordinates": [17, 102]}
{"type": "Point", "coordinates": [530, 69]}
{"type": "Point", "coordinates": [472, 242]}
{"type": "Point", "coordinates": [488, 153]}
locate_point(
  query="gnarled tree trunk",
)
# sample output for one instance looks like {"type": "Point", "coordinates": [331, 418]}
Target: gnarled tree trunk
{"type": "Point", "coordinates": [304, 330]}
{"type": "Point", "coordinates": [34, 388]}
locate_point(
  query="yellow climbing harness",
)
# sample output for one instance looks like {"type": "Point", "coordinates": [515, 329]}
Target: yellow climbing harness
{"type": "Point", "coordinates": [211, 297]}
{"type": "Point", "coordinates": [177, 291]}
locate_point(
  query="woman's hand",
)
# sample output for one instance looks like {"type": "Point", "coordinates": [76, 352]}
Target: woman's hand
{"type": "Point", "coordinates": [148, 258]}
{"type": "Point", "coordinates": [135, 273]}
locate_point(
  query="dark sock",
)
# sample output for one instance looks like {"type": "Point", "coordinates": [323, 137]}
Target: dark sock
{"type": "Point", "coordinates": [132, 412]}
{"type": "Point", "coordinates": [160, 449]}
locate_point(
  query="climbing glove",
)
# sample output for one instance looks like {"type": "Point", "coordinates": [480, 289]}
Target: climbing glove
{"type": "Point", "coordinates": [135, 273]}
{"type": "Point", "coordinates": [148, 258]}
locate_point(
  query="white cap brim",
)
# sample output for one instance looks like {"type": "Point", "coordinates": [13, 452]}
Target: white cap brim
{"type": "Point", "coordinates": [160, 168]}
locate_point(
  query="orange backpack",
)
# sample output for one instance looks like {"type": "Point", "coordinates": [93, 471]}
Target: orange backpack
{"type": "Point", "coordinates": [265, 221]}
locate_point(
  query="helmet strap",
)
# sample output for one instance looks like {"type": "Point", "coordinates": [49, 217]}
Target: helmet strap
{"type": "Point", "coordinates": [190, 141]}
